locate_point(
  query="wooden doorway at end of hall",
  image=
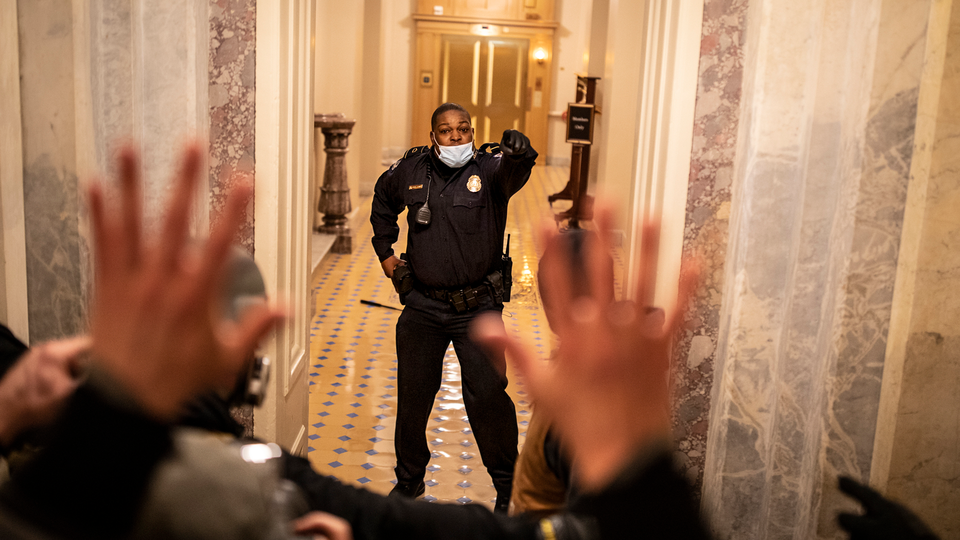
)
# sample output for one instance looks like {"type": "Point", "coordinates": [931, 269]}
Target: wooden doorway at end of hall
{"type": "Point", "coordinates": [499, 73]}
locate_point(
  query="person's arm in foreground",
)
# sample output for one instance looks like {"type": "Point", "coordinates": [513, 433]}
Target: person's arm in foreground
{"type": "Point", "coordinates": [374, 516]}
{"type": "Point", "coordinates": [33, 392]}
{"type": "Point", "coordinates": [608, 395]}
{"type": "Point", "coordinates": [156, 341]}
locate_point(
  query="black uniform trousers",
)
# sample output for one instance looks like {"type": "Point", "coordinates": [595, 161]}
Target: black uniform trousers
{"type": "Point", "coordinates": [424, 331]}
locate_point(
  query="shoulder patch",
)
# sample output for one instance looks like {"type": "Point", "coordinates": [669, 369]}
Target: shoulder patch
{"type": "Point", "coordinates": [490, 148]}
{"type": "Point", "coordinates": [415, 151]}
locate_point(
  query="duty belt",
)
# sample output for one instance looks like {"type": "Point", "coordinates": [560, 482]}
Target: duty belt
{"type": "Point", "coordinates": [462, 300]}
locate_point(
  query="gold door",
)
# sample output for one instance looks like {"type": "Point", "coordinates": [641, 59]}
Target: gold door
{"type": "Point", "coordinates": [487, 75]}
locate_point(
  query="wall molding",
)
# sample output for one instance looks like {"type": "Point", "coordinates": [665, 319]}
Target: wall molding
{"type": "Point", "coordinates": [667, 100]}
{"type": "Point", "coordinates": [14, 300]}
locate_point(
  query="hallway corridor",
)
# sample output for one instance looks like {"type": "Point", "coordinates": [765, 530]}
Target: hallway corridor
{"type": "Point", "coordinates": [353, 376]}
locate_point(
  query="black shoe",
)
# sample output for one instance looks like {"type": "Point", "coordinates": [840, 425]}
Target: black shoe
{"type": "Point", "coordinates": [502, 506]}
{"type": "Point", "coordinates": [504, 487]}
{"type": "Point", "coordinates": [410, 490]}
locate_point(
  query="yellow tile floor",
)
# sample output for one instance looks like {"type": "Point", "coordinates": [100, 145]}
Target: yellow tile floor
{"type": "Point", "coordinates": [353, 380]}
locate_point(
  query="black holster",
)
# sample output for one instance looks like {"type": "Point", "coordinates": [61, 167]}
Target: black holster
{"type": "Point", "coordinates": [402, 281]}
{"type": "Point", "coordinates": [496, 282]}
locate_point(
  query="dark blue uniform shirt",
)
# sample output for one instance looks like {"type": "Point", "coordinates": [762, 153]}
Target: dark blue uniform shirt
{"type": "Point", "coordinates": [464, 240]}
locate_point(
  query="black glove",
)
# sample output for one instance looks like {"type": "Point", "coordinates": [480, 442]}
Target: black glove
{"type": "Point", "coordinates": [514, 143]}
{"type": "Point", "coordinates": [883, 520]}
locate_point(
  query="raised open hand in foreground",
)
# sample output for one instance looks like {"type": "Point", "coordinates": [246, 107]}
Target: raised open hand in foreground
{"type": "Point", "coordinates": [606, 390]}
{"type": "Point", "coordinates": [155, 323]}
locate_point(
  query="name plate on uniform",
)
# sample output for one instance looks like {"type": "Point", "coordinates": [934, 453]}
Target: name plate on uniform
{"type": "Point", "coordinates": [580, 123]}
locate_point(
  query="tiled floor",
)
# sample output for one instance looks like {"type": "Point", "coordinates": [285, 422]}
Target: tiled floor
{"type": "Point", "coordinates": [353, 381]}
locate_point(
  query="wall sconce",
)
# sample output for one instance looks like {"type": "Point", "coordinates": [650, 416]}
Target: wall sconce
{"type": "Point", "coordinates": [540, 54]}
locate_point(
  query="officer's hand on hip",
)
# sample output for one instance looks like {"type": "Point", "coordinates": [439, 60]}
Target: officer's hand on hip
{"type": "Point", "coordinates": [389, 265]}
{"type": "Point", "coordinates": [514, 143]}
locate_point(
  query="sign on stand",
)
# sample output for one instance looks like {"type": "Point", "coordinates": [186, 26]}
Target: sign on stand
{"type": "Point", "coordinates": [580, 123]}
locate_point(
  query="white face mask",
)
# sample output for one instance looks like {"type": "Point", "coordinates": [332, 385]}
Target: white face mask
{"type": "Point", "coordinates": [455, 156]}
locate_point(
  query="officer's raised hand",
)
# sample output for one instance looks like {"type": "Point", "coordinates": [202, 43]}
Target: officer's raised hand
{"type": "Point", "coordinates": [514, 143]}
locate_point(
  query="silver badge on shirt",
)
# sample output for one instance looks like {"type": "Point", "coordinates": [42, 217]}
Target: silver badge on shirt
{"type": "Point", "coordinates": [473, 184]}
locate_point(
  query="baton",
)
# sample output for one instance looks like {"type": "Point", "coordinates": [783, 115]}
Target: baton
{"type": "Point", "coordinates": [377, 304]}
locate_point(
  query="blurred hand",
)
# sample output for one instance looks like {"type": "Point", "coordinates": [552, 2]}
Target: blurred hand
{"type": "Point", "coordinates": [606, 389]}
{"type": "Point", "coordinates": [33, 391]}
{"type": "Point", "coordinates": [155, 323]}
{"type": "Point", "coordinates": [883, 520]}
{"type": "Point", "coordinates": [514, 143]}
{"type": "Point", "coordinates": [323, 524]}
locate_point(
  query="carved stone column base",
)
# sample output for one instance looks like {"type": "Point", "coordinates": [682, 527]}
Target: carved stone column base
{"type": "Point", "coordinates": [334, 200]}
{"type": "Point", "coordinates": [344, 242]}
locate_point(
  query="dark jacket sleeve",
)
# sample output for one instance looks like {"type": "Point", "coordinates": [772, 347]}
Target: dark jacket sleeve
{"type": "Point", "coordinates": [387, 206]}
{"type": "Point", "coordinates": [512, 172]}
{"type": "Point", "coordinates": [375, 516]}
{"type": "Point", "coordinates": [649, 500]}
{"type": "Point", "coordinates": [91, 479]}
{"type": "Point", "coordinates": [11, 349]}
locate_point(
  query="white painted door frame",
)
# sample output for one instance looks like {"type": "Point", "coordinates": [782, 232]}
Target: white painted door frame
{"type": "Point", "coordinates": [282, 217]}
{"type": "Point", "coordinates": [14, 268]}
{"type": "Point", "coordinates": [667, 100]}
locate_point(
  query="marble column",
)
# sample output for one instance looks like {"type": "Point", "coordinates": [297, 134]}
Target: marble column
{"type": "Point", "coordinates": [98, 73]}
{"type": "Point", "coordinates": [127, 74]}
{"type": "Point", "coordinates": [918, 440]}
{"type": "Point", "coordinates": [143, 68]}
{"type": "Point", "coordinates": [825, 141]}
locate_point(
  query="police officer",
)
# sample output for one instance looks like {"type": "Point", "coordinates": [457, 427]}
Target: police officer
{"type": "Point", "coordinates": [456, 197]}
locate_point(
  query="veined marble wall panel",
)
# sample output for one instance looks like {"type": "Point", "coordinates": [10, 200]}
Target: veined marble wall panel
{"type": "Point", "coordinates": [925, 460]}
{"type": "Point", "coordinates": [819, 188]}
{"type": "Point", "coordinates": [232, 61]}
{"type": "Point", "coordinates": [708, 213]}
{"type": "Point", "coordinates": [55, 295]}
{"type": "Point", "coordinates": [232, 111]}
